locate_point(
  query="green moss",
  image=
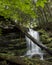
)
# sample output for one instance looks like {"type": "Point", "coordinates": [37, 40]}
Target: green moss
{"type": "Point", "coordinates": [45, 37]}
{"type": "Point", "coordinates": [0, 31]}
{"type": "Point", "coordinates": [28, 61]}
{"type": "Point", "coordinates": [36, 61]}
{"type": "Point", "coordinates": [3, 63]}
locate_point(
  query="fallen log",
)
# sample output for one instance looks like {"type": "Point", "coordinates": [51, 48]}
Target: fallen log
{"type": "Point", "coordinates": [20, 27]}
{"type": "Point", "coordinates": [13, 59]}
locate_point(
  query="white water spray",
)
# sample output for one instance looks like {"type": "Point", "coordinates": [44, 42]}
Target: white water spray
{"type": "Point", "coordinates": [33, 49]}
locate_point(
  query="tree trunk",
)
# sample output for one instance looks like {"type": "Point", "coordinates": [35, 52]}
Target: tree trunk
{"type": "Point", "coordinates": [34, 40]}
{"type": "Point", "coordinates": [30, 37]}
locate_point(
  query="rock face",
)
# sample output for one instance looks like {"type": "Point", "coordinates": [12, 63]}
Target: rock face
{"type": "Point", "coordinates": [15, 44]}
{"type": "Point", "coordinates": [12, 42]}
{"type": "Point", "coordinates": [46, 37]}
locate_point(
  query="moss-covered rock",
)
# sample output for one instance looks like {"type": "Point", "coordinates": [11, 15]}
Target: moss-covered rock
{"type": "Point", "coordinates": [27, 61]}
{"type": "Point", "coordinates": [45, 37]}
{"type": "Point", "coordinates": [36, 62]}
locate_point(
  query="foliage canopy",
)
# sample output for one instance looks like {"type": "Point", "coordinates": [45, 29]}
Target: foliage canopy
{"type": "Point", "coordinates": [21, 10]}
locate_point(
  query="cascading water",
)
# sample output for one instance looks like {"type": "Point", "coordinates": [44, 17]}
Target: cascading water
{"type": "Point", "coordinates": [33, 49]}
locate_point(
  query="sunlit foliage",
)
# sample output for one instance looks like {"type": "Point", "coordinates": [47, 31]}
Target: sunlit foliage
{"type": "Point", "coordinates": [21, 10]}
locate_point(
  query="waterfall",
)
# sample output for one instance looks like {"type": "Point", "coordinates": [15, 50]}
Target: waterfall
{"type": "Point", "coordinates": [33, 49]}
